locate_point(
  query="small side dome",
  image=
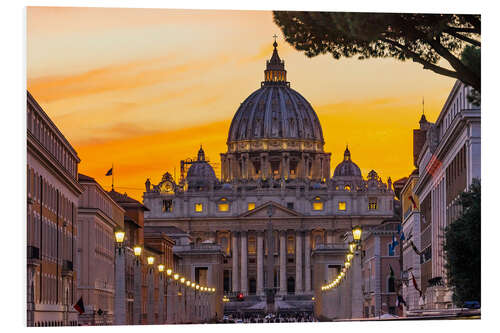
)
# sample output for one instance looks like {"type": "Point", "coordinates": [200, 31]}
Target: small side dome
{"type": "Point", "coordinates": [347, 168]}
{"type": "Point", "coordinates": [200, 174]}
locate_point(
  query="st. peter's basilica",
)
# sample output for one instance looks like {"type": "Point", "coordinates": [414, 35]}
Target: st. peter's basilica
{"type": "Point", "coordinates": [275, 157]}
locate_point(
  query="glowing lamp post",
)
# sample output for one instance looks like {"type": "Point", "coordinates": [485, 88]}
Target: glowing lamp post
{"type": "Point", "coordinates": [137, 286]}
{"type": "Point", "coordinates": [120, 297]}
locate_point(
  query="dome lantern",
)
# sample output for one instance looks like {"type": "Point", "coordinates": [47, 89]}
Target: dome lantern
{"type": "Point", "coordinates": [275, 73]}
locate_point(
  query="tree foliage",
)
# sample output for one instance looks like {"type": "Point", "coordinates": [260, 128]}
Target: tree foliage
{"type": "Point", "coordinates": [471, 57]}
{"type": "Point", "coordinates": [462, 248]}
{"type": "Point", "coordinates": [423, 38]}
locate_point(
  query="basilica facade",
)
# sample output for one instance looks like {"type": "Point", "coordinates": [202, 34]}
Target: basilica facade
{"type": "Point", "coordinates": [275, 158]}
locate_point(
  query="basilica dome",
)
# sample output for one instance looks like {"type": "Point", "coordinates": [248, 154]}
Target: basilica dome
{"type": "Point", "coordinates": [347, 168]}
{"type": "Point", "coordinates": [276, 111]}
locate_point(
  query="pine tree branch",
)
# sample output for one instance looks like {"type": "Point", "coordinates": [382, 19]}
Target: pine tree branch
{"type": "Point", "coordinates": [416, 58]}
{"type": "Point", "coordinates": [464, 38]}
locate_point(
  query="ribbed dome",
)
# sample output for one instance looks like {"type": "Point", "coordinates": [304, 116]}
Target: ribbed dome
{"type": "Point", "coordinates": [275, 111]}
{"type": "Point", "coordinates": [347, 168]}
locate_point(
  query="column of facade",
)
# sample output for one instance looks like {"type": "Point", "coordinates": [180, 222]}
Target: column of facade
{"type": "Point", "coordinates": [282, 262]}
{"type": "Point", "coordinates": [260, 263]}
{"type": "Point", "coordinates": [307, 261]}
{"type": "Point", "coordinates": [298, 263]}
{"type": "Point", "coordinates": [244, 262]}
{"type": "Point", "coordinates": [234, 254]}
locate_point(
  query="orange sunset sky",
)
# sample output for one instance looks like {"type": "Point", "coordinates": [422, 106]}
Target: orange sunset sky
{"type": "Point", "coordinates": [143, 88]}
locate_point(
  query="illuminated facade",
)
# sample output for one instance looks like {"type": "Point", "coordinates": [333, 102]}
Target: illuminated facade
{"type": "Point", "coordinates": [274, 157]}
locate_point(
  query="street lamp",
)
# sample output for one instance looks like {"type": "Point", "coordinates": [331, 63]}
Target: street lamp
{"type": "Point", "coordinates": [176, 276]}
{"type": "Point", "coordinates": [356, 233]}
{"type": "Point", "coordinates": [120, 297]}
{"type": "Point", "coordinates": [137, 251]}
{"type": "Point", "coordinates": [137, 286]}
{"type": "Point", "coordinates": [119, 236]}
{"type": "Point", "coordinates": [188, 283]}
{"type": "Point", "coordinates": [161, 268]}
{"type": "Point", "coordinates": [169, 272]}
{"type": "Point", "coordinates": [151, 260]}
{"type": "Point", "coordinates": [352, 247]}
{"type": "Point", "coordinates": [183, 279]}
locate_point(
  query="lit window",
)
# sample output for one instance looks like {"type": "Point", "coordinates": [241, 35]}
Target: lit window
{"type": "Point", "coordinates": [290, 245]}
{"type": "Point", "coordinates": [251, 205]}
{"type": "Point", "coordinates": [347, 188]}
{"type": "Point", "coordinates": [372, 203]}
{"type": "Point", "coordinates": [342, 205]}
{"type": "Point", "coordinates": [223, 207]}
{"type": "Point", "coordinates": [317, 204]}
{"type": "Point", "coordinates": [198, 207]}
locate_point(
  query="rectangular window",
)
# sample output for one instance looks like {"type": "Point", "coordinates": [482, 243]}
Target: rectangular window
{"type": "Point", "coordinates": [168, 206]}
{"type": "Point", "coordinates": [223, 207]}
{"type": "Point", "coordinates": [317, 206]}
{"type": "Point", "coordinates": [251, 205]}
{"type": "Point", "coordinates": [342, 205]}
{"type": "Point", "coordinates": [372, 203]}
{"type": "Point", "coordinates": [289, 205]}
{"type": "Point", "coordinates": [198, 207]}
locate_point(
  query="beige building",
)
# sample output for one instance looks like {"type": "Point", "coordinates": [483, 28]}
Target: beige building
{"type": "Point", "coordinates": [52, 213]}
{"type": "Point", "coordinates": [448, 158]}
{"type": "Point", "coordinates": [98, 218]}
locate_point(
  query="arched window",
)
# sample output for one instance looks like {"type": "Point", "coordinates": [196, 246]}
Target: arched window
{"type": "Point", "coordinates": [347, 188]}
{"type": "Point", "coordinates": [317, 240]}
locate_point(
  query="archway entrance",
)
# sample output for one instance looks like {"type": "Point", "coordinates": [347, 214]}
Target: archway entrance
{"type": "Point", "coordinates": [252, 286]}
{"type": "Point", "coordinates": [290, 285]}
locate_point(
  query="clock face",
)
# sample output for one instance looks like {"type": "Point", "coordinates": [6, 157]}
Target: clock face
{"type": "Point", "coordinates": [167, 187]}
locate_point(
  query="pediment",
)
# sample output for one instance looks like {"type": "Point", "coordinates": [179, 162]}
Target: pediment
{"type": "Point", "coordinates": [278, 211]}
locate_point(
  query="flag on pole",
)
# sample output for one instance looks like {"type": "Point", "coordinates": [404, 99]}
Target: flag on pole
{"type": "Point", "coordinates": [415, 284]}
{"type": "Point", "coordinates": [110, 172]}
{"type": "Point", "coordinates": [79, 306]}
